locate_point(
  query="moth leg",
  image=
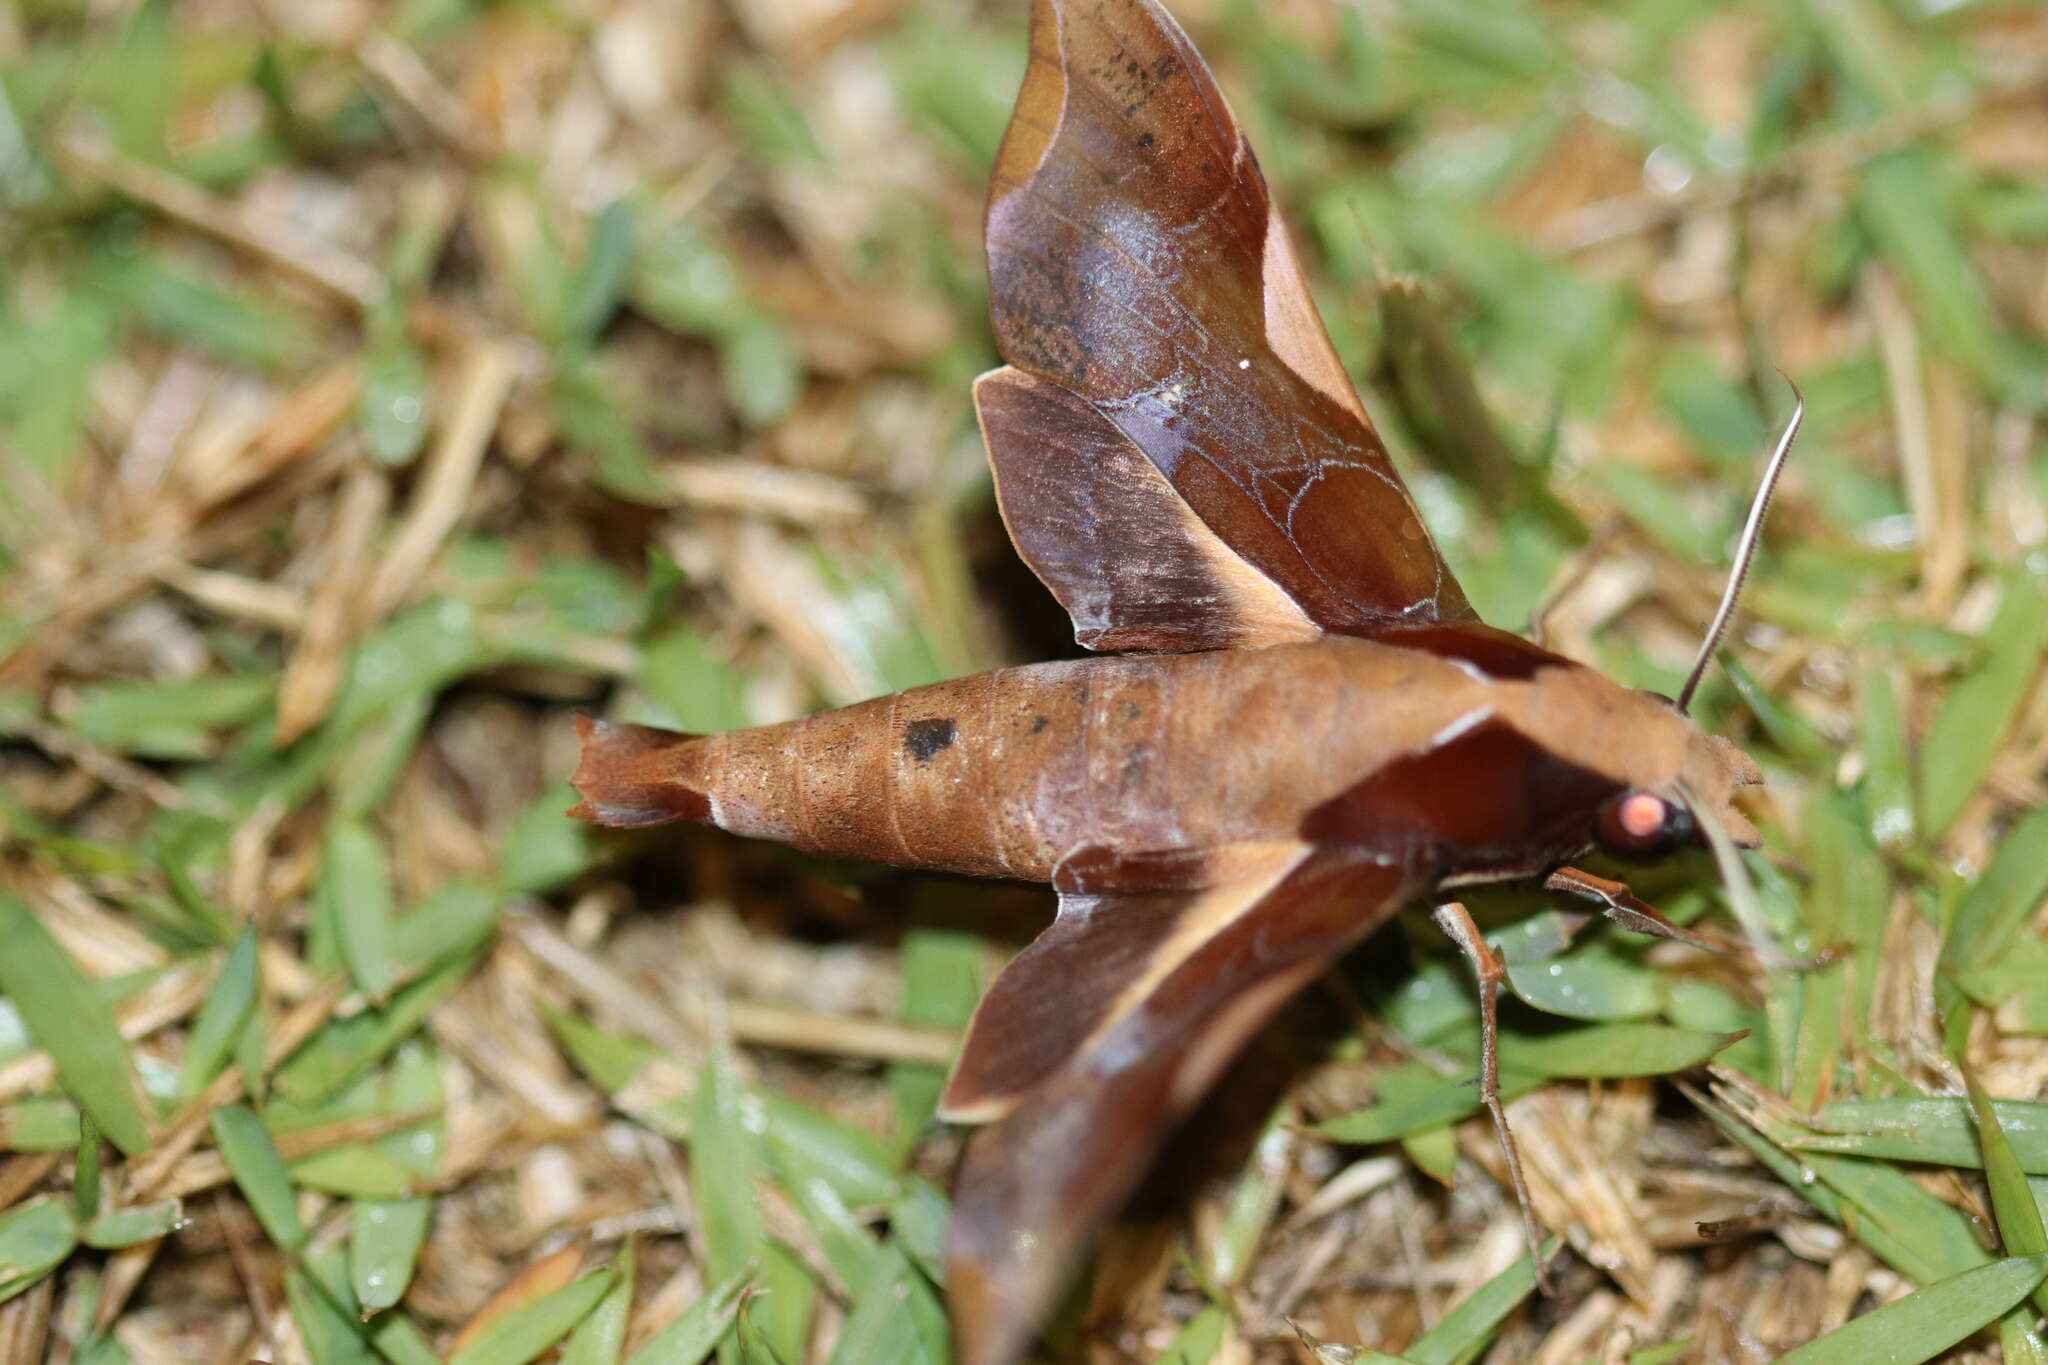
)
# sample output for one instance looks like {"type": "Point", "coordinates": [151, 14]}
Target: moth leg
{"type": "Point", "coordinates": [1456, 922]}
{"type": "Point", "coordinates": [1630, 911]}
{"type": "Point", "coordinates": [1625, 908]}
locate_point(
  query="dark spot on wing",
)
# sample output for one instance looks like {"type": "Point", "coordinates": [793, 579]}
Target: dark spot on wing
{"type": "Point", "coordinates": [1038, 723]}
{"type": "Point", "coordinates": [924, 738]}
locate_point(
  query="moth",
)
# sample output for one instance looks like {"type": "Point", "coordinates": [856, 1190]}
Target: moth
{"type": "Point", "coordinates": [1293, 723]}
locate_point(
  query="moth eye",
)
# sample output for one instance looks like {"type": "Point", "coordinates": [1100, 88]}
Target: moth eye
{"type": "Point", "coordinates": [1640, 826]}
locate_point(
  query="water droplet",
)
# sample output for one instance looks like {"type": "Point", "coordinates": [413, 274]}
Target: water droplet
{"type": "Point", "coordinates": [1667, 170]}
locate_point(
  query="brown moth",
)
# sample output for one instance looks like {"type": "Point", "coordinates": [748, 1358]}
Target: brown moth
{"type": "Point", "coordinates": [1297, 726]}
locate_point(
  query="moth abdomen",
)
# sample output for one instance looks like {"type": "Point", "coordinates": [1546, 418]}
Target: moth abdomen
{"type": "Point", "coordinates": [953, 776]}
{"type": "Point", "coordinates": [633, 776]}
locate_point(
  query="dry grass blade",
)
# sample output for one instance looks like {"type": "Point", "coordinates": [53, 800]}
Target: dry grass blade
{"type": "Point", "coordinates": [478, 398]}
{"type": "Point", "coordinates": [292, 253]}
{"type": "Point", "coordinates": [313, 676]}
{"type": "Point", "coordinates": [25, 1323]}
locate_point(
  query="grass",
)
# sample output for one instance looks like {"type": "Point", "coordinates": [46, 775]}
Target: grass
{"type": "Point", "coordinates": [381, 385]}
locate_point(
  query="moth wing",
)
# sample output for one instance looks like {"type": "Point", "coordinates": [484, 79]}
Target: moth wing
{"type": "Point", "coordinates": [1081, 1118]}
{"type": "Point", "coordinates": [1136, 261]}
{"type": "Point", "coordinates": [1127, 557]}
{"type": "Point", "coordinates": [1124, 920]}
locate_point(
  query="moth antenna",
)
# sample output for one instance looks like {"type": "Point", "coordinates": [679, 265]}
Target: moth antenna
{"type": "Point", "coordinates": [1745, 549]}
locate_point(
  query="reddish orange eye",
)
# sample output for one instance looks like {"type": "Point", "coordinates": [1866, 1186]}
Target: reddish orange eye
{"type": "Point", "coordinates": [1641, 815]}
{"type": "Point", "coordinates": [1640, 826]}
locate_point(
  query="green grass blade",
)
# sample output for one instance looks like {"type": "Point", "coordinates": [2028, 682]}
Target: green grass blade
{"type": "Point", "coordinates": [331, 1336]}
{"type": "Point", "coordinates": [223, 1016]}
{"type": "Point", "coordinates": [355, 899]}
{"type": "Point", "coordinates": [1936, 1131]}
{"type": "Point", "coordinates": [259, 1172]}
{"type": "Point", "coordinates": [849, 1247]}
{"type": "Point", "coordinates": [1970, 727]}
{"type": "Point", "coordinates": [1928, 1321]}
{"type": "Point", "coordinates": [68, 1017]}
{"type": "Point", "coordinates": [1411, 1097]}
{"type": "Point", "coordinates": [942, 971]}
{"type": "Point", "coordinates": [44, 1123]}
{"type": "Point", "coordinates": [1994, 913]}
{"type": "Point", "coordinates": [779, 1320]}
{"type": "Point", "coordinates": [918, 1219]}
{"type": "Point", "coordinates": [526, 1332]}
{"type": "Point", "coordinates": [896, 1318]}
{"type": "Point", "coordinates": [600, 1339]}
{"type": "Point", "coordinates": [356, 1170]}
{"type": "Point", "coordinates": [1937, 1237]}
{"type": "Point", "coordinates": [85, 1178]}
{"type": "Point", "coordinates": [1623, 1049]}
{"type": "Point", "coordinates": [722, 1169]}
{"type": "Point", "coordinates": [344, 1050]}
{"type": "Point", "coordinates": [400, 1341]}
{"type": "Point", "coordinates": [593, 293]}
{"type": "Point", "coordinates": [1253, 1200]}
{"type": "Point", "coordinates": [698, 1332]}
{"type": "Point", "coordinates": [34, 1240]}
{"type": "Point", "coordinates": [1669, 1353]}
{"type": "Point", "coordinates": [385, 1237]}
{"type": "Point", "coordinates": [1950, 1248]}
{"type": "Point", "coordinates": [452, 922]}
{"type": "Point", "coordinates": [1592, 985]}
{"type": "Point", "coordinates": [126, 1227]}
{"type": "Point", "coordinates": [1888, 778]}
{"type": "Point", "coordinates": [857, 1165]}
{"type": "Point", "coordinates": [2019, 1340]}
{"type": "Point", "coordinates": [170, 720]}
{"type": "Point", "coordinates": [543, 850]}
{"type": "Point", "coordinates": [1465, 1330]}
{"type": "Point", "coordinates": [391, 407]}
{"type": "Point", "coordinates": [1199, 1341]}
{"type": "Point", "coordinates": [2012, 1198]}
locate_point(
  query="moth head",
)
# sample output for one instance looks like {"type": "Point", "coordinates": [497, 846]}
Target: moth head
{"type": "Point", "coordinates": [1660, 779]}
{"type": "Point", "coordinates": [1666, 804]}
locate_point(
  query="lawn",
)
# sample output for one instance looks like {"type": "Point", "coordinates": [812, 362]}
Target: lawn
{"type": "Point", "coordinates": [383, 385]}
